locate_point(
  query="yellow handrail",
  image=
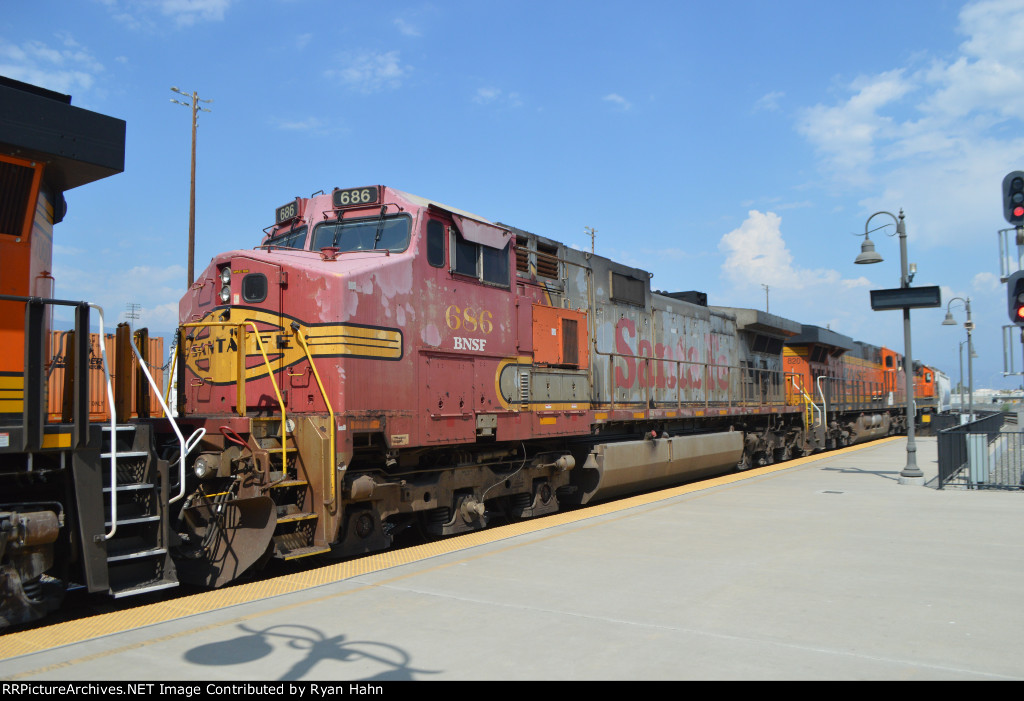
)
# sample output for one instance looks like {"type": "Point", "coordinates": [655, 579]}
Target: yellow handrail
{"type": "Point", "coordinates": [240, 382]}
{"type": "Point", "coordinates": [330, 410]}
{"type": "Point", "coordinates": [809, 405]}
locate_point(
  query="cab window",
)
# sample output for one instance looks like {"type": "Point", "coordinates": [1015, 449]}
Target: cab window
{"type": "Point", "coordinates": [373, 234]}
{"type": "Point", "coordinates": [435, 243]}
{"type": "Point", "coordinates": [295, 238]}
{"type": "Point", "coordinates": [486, 264]}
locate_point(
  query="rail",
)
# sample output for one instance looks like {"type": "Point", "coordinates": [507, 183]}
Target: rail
{"type": "Point", "coordinates": [240, 368]}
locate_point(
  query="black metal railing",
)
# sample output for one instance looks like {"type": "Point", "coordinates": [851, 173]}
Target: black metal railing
{"type": "Point", "coordinates": [34, 398]}
{"type": "Point", "coordinates": [980, 455]}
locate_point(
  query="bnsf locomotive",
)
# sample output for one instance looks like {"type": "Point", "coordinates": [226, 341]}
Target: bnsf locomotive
{"type": "Point", "coordinates": [383, 361]}
{"type": "Point", "coordinates": [379, 362]}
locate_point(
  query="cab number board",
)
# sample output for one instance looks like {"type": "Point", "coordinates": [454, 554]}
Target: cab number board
{"type": "Point", "coordinates": [356, 196]}
{"type": "Point", "coordinates": [288, 211]}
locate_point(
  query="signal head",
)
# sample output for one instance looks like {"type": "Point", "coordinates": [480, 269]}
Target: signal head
{"type": "Point", "coordinates": [1013, 197]}
{"type": "Point", "coordinates": [1015, 297]}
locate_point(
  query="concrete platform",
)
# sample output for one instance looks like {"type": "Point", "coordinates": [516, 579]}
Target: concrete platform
{"type": "Point", "coordinates": [826, 569]}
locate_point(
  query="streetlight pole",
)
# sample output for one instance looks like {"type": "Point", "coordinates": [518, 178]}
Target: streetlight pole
{"type": "Point", "coordinates": [193, 103]}
{"type": "Point", "coordinates": [911, 473]}
{"type": "Point", "coordinates": [961, 375]}
{"type": "Point", "coordinates": [969, 325]}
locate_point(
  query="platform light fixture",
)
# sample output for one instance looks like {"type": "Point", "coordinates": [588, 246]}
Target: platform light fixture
{"type": "Point", "coordinates": [969, 326]}
{"type": "Point", "coordinates": [911, 473]}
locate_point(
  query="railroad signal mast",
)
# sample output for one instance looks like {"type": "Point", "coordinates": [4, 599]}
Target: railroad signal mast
{"type": "Point", "coordinates": [1013, 212]}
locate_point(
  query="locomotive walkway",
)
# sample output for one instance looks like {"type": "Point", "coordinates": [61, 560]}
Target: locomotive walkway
{"type": "Point", "coordinates": [824, 568]}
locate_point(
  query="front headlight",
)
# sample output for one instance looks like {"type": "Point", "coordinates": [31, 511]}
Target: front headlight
{"type": "Point", "coordinates": [225, 282]}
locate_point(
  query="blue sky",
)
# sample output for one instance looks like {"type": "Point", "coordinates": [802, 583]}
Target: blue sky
{"type": "Point", "coordinates": [723, 146]}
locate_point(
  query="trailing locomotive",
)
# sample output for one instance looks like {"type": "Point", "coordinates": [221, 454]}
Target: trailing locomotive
{"type": "Point", "coordinates": [379, 362]}
{"type": "Point", "coordinates": [80, 502]}
{"type": "Point", "coordinates": [383, 361]}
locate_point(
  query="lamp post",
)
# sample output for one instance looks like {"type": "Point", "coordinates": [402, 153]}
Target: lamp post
{"type": "Point", "coordinates": [911, 473]}
{"type": "Point", "coordinates": [961, 374]}
{"type": "Point", "coordinates": [193, 102]}
{"type": "Point", "coordinates": [969, 325]}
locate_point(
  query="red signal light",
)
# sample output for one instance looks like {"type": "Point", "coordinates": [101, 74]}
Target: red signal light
{"type": "Point", "coordinates": [1020, 312]}
{"type": "Point", "coordinates": [1018, 211]}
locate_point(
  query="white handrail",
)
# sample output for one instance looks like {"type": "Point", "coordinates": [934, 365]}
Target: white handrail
{"type": "Point", "coordinates": [824, 405]}
{"type": "Point", "coordinates": [185, 446]}
{"type": "Point", "coordinates": [113, 425]}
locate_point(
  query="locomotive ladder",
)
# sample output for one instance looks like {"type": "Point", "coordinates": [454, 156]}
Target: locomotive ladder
{"type": "Point", "coordinates": [138, 558]}
{"type": "Point", "coordinates": [294, 498]}
{"type": "Point", "coordinates": [124, 509]}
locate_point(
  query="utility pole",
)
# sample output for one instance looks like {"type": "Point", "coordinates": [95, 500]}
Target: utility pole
{"type": "Point", "coordinates": [193, 103]}
{"type": "Point", "coordinates": [591, 231]}
{"type": "Point", "coordinates": [766, 288]}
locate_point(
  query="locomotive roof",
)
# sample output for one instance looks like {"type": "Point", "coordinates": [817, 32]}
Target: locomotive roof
{"type": "Point", "coordinates": [762, 322]}
{"type": "Point", "coordinates": [816, 335]}
{"type": "Point", "coordinates": [425, 202]}
{"type": "Point", "coordinates": [77, 145]}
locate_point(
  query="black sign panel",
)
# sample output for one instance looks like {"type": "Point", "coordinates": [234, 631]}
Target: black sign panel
{"type": "Point", "coordinates": [356, 196]}
{"type": "Point", "coordinates": [287, 212]}
{"type": "Point", "coordinates": [906, 298]}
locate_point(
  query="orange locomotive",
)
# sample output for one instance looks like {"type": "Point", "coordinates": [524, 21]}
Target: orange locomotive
{"type": "Point", "coordinates": [81, 504]}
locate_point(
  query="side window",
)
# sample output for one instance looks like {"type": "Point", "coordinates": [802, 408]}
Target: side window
{"type": "Point", "coordinates": [490, 265]}
{"type": "Point", "coordinates": [435, 243]}
{"type": "Point", "coordinates": [495, 264]}
{"type": "Point", "coordinates": [464, 254]}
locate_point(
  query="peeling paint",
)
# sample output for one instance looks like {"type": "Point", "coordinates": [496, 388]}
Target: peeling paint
{"type": "Point", "coordinates": [431, 335]}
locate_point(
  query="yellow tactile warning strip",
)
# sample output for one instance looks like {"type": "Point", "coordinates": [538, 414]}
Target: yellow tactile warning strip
{"type": "Point", "coordinates": [45, 638]}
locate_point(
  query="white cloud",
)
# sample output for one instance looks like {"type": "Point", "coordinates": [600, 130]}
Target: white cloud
{"type": "Point", "coordinates": [933, 140]}
{"type": "Point", "coordinates": [406, 27]}
{"type": "Point", "coordinates": [757, 254]}
{"type": "Point", "coordinates": [370, 71]}
{"type": "Point", "coordinates": [495, 96]}
{"type": "Point", "coordinates": [308, 124]}
{"type": "Point", "coordinates": [987, 282]}
{"type": "Point", "coordinates": [618, 100]}
{"type": "Point", "coordinates": [486, 95]}
{"type": "Point", "coordinates": [845, 135]}
{"type": "Point", "coordinates": [68, 68]}
{"type": "Point", "coordinates": [150, 14]}
{"type": "Point", "coordinates": [147, 286]}
{"type": "Point", "coordinates": [769, 102]}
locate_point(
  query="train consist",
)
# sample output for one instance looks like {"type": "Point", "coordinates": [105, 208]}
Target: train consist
{"type": "Point", "coordinates": [381, 362]}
